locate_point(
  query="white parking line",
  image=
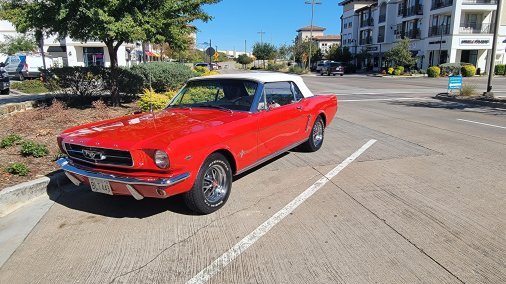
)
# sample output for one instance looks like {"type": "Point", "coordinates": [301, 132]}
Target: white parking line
{"type": "Point", "coordinates": [222, 261]}
{"type": "Point", "coordinates": [481, 123]}
{"type": "Point", "coordinates": [391, 99]}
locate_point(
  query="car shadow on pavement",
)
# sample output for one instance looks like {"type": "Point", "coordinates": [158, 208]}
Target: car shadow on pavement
{"type": "Point", "coordinates": [83, 199]}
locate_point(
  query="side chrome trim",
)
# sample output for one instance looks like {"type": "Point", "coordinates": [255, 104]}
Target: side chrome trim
{"type": "Point", "coordinates": [267, 158]}
{"type": "Point", "coordinates": [64, 163]}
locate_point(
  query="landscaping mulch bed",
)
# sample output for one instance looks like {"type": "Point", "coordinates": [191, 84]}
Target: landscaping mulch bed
{"type": "Point", "coordinates": [42, 125]}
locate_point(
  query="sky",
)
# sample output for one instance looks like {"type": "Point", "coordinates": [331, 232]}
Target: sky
{"type": "Point", "coordinates": [238, 20]}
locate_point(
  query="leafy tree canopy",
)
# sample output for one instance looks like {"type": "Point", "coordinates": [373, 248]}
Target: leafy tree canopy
{"type": "Point", "coordinates": [264, 51]}
{"type": "Point", "coordinates": [301, 49]}
{"type": "Point", "coordinates": [244, 60]}
{"type": "Point", "coordinates": [13, 44]}
{"type": "Point", "coordinates": [400, 55]}
{"type": "Point", "coordinates": [340, 54]}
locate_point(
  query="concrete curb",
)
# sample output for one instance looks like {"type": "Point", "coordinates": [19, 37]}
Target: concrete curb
{"type": "Point", "coordinates": [470, 101]}
{"type": "Point", "coordinates": [11, 198]}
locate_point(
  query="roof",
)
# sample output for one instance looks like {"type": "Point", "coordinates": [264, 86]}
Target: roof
{"type": "Point", "coordinates": [344, 2]}
{"type": "Point", "coordinates": [262, 77]}
{"type": "Point", "coordinates": [308, 28]}
{"type": "Point", "coordinates": [328, 38]}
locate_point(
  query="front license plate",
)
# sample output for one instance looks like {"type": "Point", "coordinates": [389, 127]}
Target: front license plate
{"type": "Point", "coordinates": [102, 186]}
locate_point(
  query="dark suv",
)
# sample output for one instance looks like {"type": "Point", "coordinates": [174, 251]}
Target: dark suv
{"type": "Point", "coordinates": [332, 68]}
{"type": "Point", "coordinates": [5, 83]}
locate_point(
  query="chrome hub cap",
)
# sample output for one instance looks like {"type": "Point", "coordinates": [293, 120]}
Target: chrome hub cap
{"type": "Point", "coordinates": [318, 133]}
{"type": "Point", "coordinates": [215, 184]}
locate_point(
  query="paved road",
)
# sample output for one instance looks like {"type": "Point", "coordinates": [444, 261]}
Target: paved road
{"type": "Point", "coordinates": [423, 204]}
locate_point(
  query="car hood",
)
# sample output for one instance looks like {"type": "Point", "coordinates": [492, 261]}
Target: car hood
{"type": "Point", "coordinates": [136, 131]}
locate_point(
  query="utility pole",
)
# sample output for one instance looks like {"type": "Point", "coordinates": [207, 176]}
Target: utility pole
{"type": "Point", "coordinates": [494, 46]}
{"type": "Point", "coordinates": [261, 33]}
{"type": "Point", "coordinates": [245, 47]}
{"type": "Point", "coordinates": [312, 3]}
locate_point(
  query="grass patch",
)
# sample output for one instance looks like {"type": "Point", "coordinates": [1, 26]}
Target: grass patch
{"type": "Point", "coordinates": [30, 87]}
{"type": "Point", "coordinates": [468, 90]}
{"type": "Point", "coordinates": [10, 140]}
{"type": "Point", "coordinates": [18, 169]}
{"type": "Point", "coordinates": [29, 148]}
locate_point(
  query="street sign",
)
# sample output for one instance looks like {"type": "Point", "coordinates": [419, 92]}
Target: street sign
{"type": "Point", "coordinates": [455, 82]}
{"type": "Point", "coordinates": [210, 51]}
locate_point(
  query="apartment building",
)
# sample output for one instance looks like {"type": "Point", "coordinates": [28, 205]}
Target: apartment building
{"type": "Point", "coordinates": [325, 42]}
{"type": "Point", "coordinates": [440, 31]}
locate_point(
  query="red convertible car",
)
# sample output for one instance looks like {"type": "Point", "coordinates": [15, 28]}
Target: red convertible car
{"type": "Point", "coordinates": [214, 128]}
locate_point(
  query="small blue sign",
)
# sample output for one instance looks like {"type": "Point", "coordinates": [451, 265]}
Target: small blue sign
{"type": "Point", "coordinates": [455, 82]}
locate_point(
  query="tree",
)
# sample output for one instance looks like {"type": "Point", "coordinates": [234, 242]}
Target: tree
{"type": "Point", "coordinates": [301, 50]}
{"type": "Point", "coordinates": [13, 44]}
{"type": "Point", "coordinates": [362, 56]}
{"type": "Point", "coordinates": [244, 59]}
{"type": "Point", "coordinates": [285, 52]}
{"type": "Point", "coordinates": [317, 56]}
{"type": "Point", "coordinates": [264, 51]}
{"type": "Point", "coordinates": [340, 54]}
{"type": "Point", "coordinates": [112, 22]}
{"type": "Point", "coordinates": [400, 55]}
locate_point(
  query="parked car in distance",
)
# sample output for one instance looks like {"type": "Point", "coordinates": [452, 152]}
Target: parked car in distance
{"type": "Point", "coordinates": [214, 128]}
{"type": "Point", "coordinates": [320, 64]}
{"type": "Point", "coordinates": [24, 66]}
{"type": "Point", "coordinates": [332, 68]}
{"type": "Point", "coordinates": [212, 66]}
{"type": "Point", "coordinates": [5, 83]}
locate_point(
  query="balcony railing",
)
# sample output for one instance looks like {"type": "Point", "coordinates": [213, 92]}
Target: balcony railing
{"type": "Point", "coordinates": [413, 11]}
{"type": "Point", "coordinates": [381, 38]}
{"type": "Point", "coordinates": [382, 18]}
{"type": "Point", "coordinates": [367, 23]}
{"type": "Point", "coordinates": [476, 28]}
{"type": "Point", "coordinates": [480, 2]}
{"type": "Point", "coordinates": [439, 30]}
{"type": "Point", "coordinates": [413, 34]}
{"type": "Point", "coordinates": [367, 40]}
{"type": "Point", "coordinates": [437, 4]}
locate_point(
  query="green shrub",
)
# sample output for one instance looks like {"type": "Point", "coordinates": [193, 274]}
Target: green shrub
{"type": "Point", "coordinates": [434, 72]}
{"type": "Point", "coordinates": [275, 66]}
{"type": "Point", "coordinates": [151, 100]}
{"type": "Point", "coordinates": [163, 76]}
{"type": "Point", "coordinates": [10, 140]}
{"type": "Point", "coordinates": [468, 70]}
{"type": "Point", "coordinates": [201, 70]}
{"type": "Point", "coordinates": [468, 90]}
{"type": "Point", "coordinates": [29, 148]}
{"type": "Point", "coordinates": [500, 69]}
{"type": "Point", "coordinates": [401, 68]}
{"type": "Point", "coordinates": [390, 70]}
{"type": "Point", "coordinates": [30, 87]}
{"type": "Point", "coordinates": [18, 169]}
{"type": "Point", "coordinates": [397, 72]}
{"type": "Point", "coordinates": [296, 70]}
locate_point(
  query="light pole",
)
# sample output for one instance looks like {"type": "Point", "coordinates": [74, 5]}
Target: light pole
{"type": "Point", "coordinates": [312, 3]}
{"type": "Point", "coordinates": [494, 46]}
{"type": "Point", "coordinates": [261, 33]}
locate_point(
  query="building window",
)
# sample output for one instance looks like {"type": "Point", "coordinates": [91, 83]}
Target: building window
{"type": "Point", "coordinates": [381, 34]}
{"type": "Point", "coordinates": [93, 56]}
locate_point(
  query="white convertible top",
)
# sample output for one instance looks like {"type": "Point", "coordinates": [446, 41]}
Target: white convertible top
{"type": "Point", "coordinates": [263, 77]}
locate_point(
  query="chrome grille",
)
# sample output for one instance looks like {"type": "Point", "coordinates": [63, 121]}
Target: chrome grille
{"type": "Point", "coordinates": [99, 156]}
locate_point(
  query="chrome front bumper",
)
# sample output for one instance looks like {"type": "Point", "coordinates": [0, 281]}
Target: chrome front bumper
{"type": "Point", "coordinates": [65, 164]}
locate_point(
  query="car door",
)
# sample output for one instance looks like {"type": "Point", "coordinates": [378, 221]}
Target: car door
{"type": "Point", "coordinates": [280, 118]}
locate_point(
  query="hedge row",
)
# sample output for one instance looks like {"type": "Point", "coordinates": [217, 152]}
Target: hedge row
{"type": "Point", "coordinates": [90, 81]}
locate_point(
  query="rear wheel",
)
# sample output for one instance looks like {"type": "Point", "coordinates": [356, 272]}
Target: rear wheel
{"type": "Point", "coordinates": [212, 185]}
{"type": "Point", "coordinates": [21, 77]}
{"type": "Point", "coordinates": [315, 141]}
{"type": "Point", "coordinates": [5, 92]}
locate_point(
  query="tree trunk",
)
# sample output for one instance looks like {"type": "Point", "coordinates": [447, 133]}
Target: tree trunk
{"type": "Point", "coordinates": [113, 56]}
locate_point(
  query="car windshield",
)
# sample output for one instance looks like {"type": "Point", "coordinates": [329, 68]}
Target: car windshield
{"type": "Point", "coordinates": [217, 94]}
{"type": "Point", "coordinates": [334, 64]}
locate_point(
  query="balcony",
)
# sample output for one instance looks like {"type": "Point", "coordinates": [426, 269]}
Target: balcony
{"type": "Point", "coordinates": [479, 2]}
{"type": "Point", "coordinates": [367, 40]}
{"type": "Point", "coordinates": [415, 10]}
{"type": "Point", "coordinates": [476, 28]}
{"type": "Point", "coordinates": [439, 30]}
{"type": "Point", "coordinates": [367, 23]}
{"type": "Point", "coordinates": [413, 34]}
{"type": "Point", "coordinates": [382, 18]}
{"type": "Point", "coordinates": [438, 4]}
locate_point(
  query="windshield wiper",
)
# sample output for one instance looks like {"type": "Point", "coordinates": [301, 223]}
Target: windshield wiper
{"type": "Point", "coordinates": [216, 107]}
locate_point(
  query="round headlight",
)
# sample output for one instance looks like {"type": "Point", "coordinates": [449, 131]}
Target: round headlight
{"type": "Point", "coordinates": [161, 159]}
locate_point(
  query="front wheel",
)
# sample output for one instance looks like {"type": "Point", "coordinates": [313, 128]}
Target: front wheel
{"type": "Point", "coordinates": [212, 185]}
{"type": "Point", "coordinates": [5, 92]}
{"type": "Point", "coordinates": [315, 140]}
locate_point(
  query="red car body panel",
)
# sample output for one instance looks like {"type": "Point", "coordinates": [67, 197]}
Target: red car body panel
{"type": "Point", "coordinates": [188, 136]}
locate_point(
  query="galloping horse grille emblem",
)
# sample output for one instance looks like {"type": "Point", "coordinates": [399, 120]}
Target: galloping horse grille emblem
{"type": "Point", "coordinates": [94, 155]}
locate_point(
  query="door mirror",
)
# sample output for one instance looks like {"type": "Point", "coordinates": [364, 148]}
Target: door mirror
{"type": "Point", "coordinates": [2, 64]}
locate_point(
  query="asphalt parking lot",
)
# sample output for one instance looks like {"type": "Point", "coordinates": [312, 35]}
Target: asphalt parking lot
{"type": "Point", "coordinates": [406, 189]}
